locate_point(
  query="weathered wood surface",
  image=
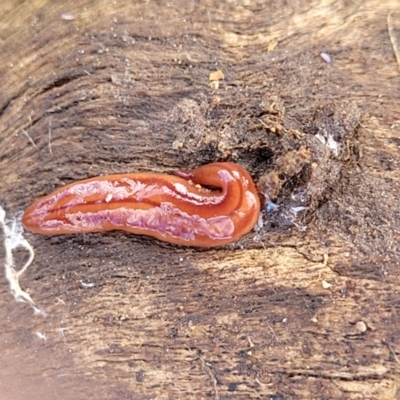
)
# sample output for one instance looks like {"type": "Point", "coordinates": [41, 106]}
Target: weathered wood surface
{"type": "Point", "coordinates": [308, 314]}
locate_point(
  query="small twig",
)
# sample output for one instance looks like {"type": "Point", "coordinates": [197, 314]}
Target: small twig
{"type": "Point", "coordinates": [393, 39]}
{"type": "Point", "coordinates": [251, 344]}
{"type": "Point", "coordinates": [269, 326]}
{"type": "Point", "coordinates": [51, 151]}
{"type": "Point", "coordinates": [212, 376]}
{"type": "Point", "coordinates": [29, 138]}
{"type": "Point", "coordinates": [392, 351]}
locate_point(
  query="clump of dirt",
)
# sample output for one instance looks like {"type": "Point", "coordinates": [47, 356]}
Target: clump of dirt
{"type": "Point", "coordinates": [295, 160]}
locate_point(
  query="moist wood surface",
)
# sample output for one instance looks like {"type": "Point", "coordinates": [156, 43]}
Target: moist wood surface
{"type": "Point", "coordinates": [306, 311]}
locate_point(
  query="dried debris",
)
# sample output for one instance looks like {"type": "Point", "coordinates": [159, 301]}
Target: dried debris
{"type": "Point", "coordinates": [295, 160]}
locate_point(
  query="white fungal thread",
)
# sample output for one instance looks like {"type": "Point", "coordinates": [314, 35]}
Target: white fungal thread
{"type": "Point", "coordinates": [13, 238]}
{"type": "Point", "coordinates": [258, 228]}
{"type": "Point", "coordinates": [41, 336]}
{"type": "Point", "coordinates": [330, 143]}
{"type": "Point", "coordinates": [61, 332]}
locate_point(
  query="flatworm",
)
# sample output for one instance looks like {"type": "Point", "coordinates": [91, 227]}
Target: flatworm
{"type": "Point", "coordinates": [170, 208]}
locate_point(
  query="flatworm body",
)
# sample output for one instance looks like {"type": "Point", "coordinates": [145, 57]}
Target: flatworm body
{"type": "Point", "coordinates": [170, 208]}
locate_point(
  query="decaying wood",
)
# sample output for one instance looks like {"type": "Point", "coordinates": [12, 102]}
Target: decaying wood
{"type": "Point", "coordinates": [304, 308]}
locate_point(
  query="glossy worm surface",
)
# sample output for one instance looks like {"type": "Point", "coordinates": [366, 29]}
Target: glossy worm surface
{"type": "Point", "coordinates": [171, 208]}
